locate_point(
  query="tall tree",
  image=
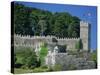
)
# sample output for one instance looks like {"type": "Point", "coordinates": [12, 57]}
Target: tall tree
{"type": "Point", "coordinates": [33, 21]}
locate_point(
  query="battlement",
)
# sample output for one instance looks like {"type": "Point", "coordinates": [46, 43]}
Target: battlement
{"type": "Point", "coordinates": [45, 37]}
{"type": "Point", "coordinates": [33, 41]}
{"type": "Point", "coordinates": [84, 24]}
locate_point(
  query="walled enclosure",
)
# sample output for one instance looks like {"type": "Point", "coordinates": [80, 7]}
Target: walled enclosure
{"type": "Point", "coordinates": [35, 41]}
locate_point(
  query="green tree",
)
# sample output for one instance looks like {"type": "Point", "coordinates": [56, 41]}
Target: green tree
{"type": "Point", "coordinates": [27, 57]}
{"type": "Point", "coordinates": [31, 61]}
{"type": "Point", "coordinates": [43, 52]}
{"type": "Point", "coordinates": [42, 26]}
{"type": "Point", "coordinates": [33, 21]}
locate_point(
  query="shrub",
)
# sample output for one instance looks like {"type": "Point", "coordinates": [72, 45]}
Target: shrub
{"type": "Point", "coordinates": [43, 52]}
{"type": "Point", "coordinates": [57, 67]}
{"type": "Point", "coordinates": [26, 57]}
{"type": "Point", "coordinates": [31, 61]}
{"type": "Point", "coordinates": [72, 67]}
{"type": "Point", "coordinates": [94, 57]}
{"type": "Point", "coordinates": [24, 67]}
{"type": "Point", "coordinates": [44, 66]}
{"type": "Point", "coordinates": [18, 65]}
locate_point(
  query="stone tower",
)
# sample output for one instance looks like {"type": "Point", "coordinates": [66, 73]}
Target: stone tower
{"type": "Point", "coordinates": [85, 35]}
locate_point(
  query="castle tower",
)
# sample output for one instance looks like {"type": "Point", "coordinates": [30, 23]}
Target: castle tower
{"type": "Point", "coordinates": [85, 35]}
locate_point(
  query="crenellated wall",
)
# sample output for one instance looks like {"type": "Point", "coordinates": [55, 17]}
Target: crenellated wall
{"type": "Point", "coordinates": [34, 40]}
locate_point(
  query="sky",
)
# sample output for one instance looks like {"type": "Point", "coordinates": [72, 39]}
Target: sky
{"type": "Point", "coordinates": [85, 13]}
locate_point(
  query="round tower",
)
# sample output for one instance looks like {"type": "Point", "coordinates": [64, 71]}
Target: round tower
{"type": "Point", "coordinates": [85, 34]}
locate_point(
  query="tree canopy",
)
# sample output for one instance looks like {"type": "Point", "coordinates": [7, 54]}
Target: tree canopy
{"type": "Point", "coordinates": [33, 21]}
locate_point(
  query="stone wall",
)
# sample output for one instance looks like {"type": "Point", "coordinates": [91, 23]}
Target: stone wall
{"type": "Point", "coordinates": [69, 62]}
{"type": "Point", "coordinates": [36, 40]}
{"type": "Point", "coordinates": [69, 42]}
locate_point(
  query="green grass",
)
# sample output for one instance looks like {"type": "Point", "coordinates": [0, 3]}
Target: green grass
{"type": "Point", "coordinates": [40, 69]}
{"type": "Point", "coordinates": [94, 56]}
{"type": "Point", "coordinates": [20, 71]}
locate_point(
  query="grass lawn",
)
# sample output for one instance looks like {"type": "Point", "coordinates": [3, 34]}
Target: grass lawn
{"type": "Point", "coordinates": [20, 71]}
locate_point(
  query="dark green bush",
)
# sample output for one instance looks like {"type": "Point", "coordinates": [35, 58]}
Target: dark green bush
{"type": "Point", "coordinates": [26, 57]}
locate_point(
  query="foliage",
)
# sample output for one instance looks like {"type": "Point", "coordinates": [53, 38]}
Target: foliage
{"type": "Point", "coordinates": [72, 67]}
{"type": "Point", "coordinates": [47, 69]}
{"type": "Point", "coordinates": [26, 57]}
{"type": "Point", "coordinates": [20, 71]}
{"type": "Point", "coordinates": [31, 61]}
{"type": "Point", "coordinates": [37, 69]}
{"type": "Point", "coordinates": [94, 56]}
{"type": "Point", "coordinates": [22, 53]}
{"type": "Point", "coordinates": [43, 52]}
{"type": "Point", "coordinates": [33, 21]}
{"type": "Point", "coordinates": [57, 67]}
{"type": "Point", "coordinates": [41, 69]}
